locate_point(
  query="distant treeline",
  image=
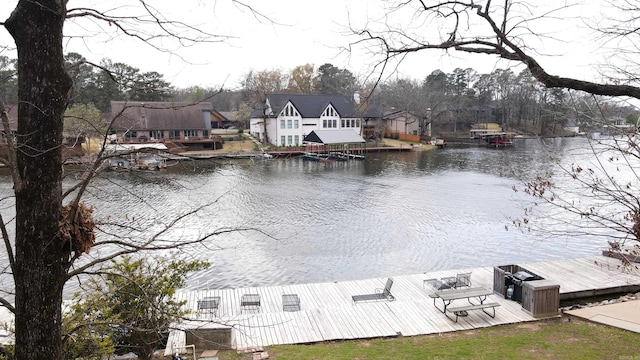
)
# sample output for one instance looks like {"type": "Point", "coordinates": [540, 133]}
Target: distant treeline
{"type": "Point", "coordinates": [452, 102]}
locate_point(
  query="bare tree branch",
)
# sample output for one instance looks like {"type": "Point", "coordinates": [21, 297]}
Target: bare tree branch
{"type": "Point", "coordinates": [502, 45]}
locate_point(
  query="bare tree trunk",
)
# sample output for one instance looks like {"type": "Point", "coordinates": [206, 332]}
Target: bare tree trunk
{"type": "Point", "coordinates": [265, 141]}
{"type": "Point", "coordinates": [43, 87]}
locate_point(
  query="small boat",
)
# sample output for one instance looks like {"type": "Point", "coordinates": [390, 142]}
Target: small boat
{"type": "Point", "coordinates": [145, 163]}
{"type": "Point", "coordinates": [498, 140]}
{"type": "Point", "coordinates": [337, 156]}
{"type": "Point", "coordinates": [151, 163]}
{"type": "Point", "coordinates": [264, 155]}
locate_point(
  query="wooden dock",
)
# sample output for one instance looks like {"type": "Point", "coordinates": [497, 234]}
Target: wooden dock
{"type": "Point", "coordinates": [327, 312]}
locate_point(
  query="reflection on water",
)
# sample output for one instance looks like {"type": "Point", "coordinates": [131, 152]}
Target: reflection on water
{"type": "Point", "coordinates": [391, 214]}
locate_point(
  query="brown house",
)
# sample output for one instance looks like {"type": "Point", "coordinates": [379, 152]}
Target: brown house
{"type": "Point", "coordinates": [72, 145]}
{"type": "Point", "coordinates": [178, 125]}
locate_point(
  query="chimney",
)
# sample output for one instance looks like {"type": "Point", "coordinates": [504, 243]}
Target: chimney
{"type": "Point", "coordinates": [356, 98]}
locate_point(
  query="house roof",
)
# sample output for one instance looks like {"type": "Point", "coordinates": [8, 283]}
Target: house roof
{"type": "Point", "coordinates": [137, 115]}
{"type": "Point", "coordinates": [398, 113]}
{"type": "Point", "coordinates": [219, 115]}
{"type": "Point", "coordinates": [312, 106]}
{"type": "Point", "coordinates": [228, 115]}
{"type": "Point", "coordinates": [346, 136]}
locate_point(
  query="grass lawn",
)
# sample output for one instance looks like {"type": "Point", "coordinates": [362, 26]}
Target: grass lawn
{"type": "Point", "coordinates": [548, 339]}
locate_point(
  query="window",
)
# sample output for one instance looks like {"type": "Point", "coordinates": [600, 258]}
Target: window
{"type": "Point", "coordinates": [296, 124]}
{"type": "Point", "coordinates": [357, 123]}
{"type": "Point", "coordinates": [290, 140]}
{"type": "Point", "coordinates": [330, 111]}
{"type": "Point", "coordinates": [289, 122]}
{"type": "Point", "coordinates": [131, 135]}
{"type": "Point", "coordinates": [289, 110]}
{"type": "Point", "coordinates": [335, 123]}
{"type": "Point", "coordinates": [282, 138]}
{"type": "Point", "coordinates": [324, 123]}
{"type": "Point", "coordinates": [342, 123]}
{"type": "Point", "coordinates": [157, 134]}
{"type": "Point", "coordinates": [296, 140]}
{"type": "Point", "coordinates": [190, 133]}
{"type": "Point", "coordinates": [174, 134]}
{"type": "Point", "coordinates": [282, 124]}
{"type": "Point", "coordinates": [353, 123]}
{"type": "Point", "coordinates": [205, 134]}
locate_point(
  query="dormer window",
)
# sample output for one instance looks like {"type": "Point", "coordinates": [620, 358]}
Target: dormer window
{"type": "Point", "coordinates": [330, 112]}
{"type": "Point", "coordinates": [289, 110]}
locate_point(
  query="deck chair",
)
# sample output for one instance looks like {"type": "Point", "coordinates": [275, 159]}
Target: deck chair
{"type": "Point", "coordinates": [209, 304]}
{"type": "Point", "coordinates": [440, 284]}
{"type": "Point", "coordinates": [380, 294]}
{"type": "Point", "coordinates": [463, 280]}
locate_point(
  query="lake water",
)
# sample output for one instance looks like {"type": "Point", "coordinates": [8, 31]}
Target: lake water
{"type": "Point", "coordinates": [391, 214]}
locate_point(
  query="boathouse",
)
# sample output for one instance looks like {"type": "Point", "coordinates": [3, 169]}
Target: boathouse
{"type": "Point", "coordinates": [337, 141]}
{"type": "Point", "coordinates": [479, 130]}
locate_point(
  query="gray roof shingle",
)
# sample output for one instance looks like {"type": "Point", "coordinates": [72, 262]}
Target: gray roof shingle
{"type": "Point", "coordinates": [312, 106]}
{"type": "Point", "coordinates": [160, 115]}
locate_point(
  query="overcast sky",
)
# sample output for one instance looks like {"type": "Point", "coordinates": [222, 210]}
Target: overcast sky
{"type": "Point", "coordinates": [291, 33]}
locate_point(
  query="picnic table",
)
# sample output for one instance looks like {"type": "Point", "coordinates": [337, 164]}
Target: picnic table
{"type": "Point", "coordinates": [448, 296]}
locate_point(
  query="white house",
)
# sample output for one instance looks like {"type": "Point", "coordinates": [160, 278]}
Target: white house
{"type": "Point", "coordinates": [285, 119]}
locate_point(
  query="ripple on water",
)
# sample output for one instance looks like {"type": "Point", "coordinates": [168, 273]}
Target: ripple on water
{"type": "Point", "coordinates": [390, 214]}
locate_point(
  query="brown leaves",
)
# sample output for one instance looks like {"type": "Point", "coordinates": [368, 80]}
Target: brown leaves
{"type": "Point", "coordinates": [77, 228]}
{"type": "Point", "coordinates": [538, 187]}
